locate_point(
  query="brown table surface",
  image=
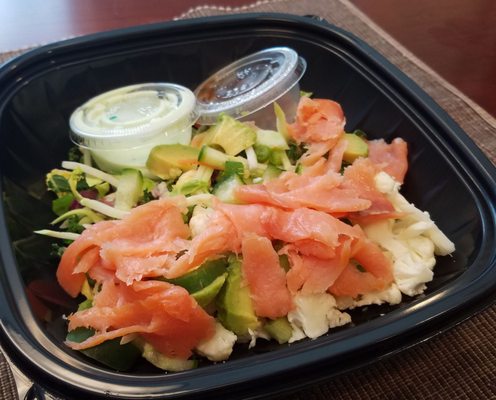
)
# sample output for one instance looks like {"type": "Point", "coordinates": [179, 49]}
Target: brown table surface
{"type": "Point", "coordinates": [456, 39]}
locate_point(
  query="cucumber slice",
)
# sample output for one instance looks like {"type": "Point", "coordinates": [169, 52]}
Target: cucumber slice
{"type": "Point", "coordinates": [271, 139]}
{"type": "Point", "coordinates": [201, 277]}
{"type": "Point", "coordinates": [110, 353]}
{"type": "Point", "coordinates": [216, 159]}
{"type": "Point", "coordinates": [161, 361]}
{"type": "Point", "coordinates": [225, 189]}
{"type": "Point", "coordinates": [129, 189]}
{"type": "Point", "coordinates": [166, 363]}
{"type": "Point", "coordinates": [213, 158]}
{"type": "Point", "coordinates": [280, 329]}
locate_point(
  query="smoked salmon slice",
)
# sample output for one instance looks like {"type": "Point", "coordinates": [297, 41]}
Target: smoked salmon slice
{"type": "Point", "coordinates": [156, 228]}
{"type": "Point", "coordinates": [322, 193]}
{"type": "Point", "coordinates": [369, 270]}
{"type": "Point", "coordinates": [301, 226]}
{"type": "Point", "coordinates": [360, 176]}
{"type": "Point", "coordinates": [265, 277]}
{"type": "Point", "coordinates": [317, 120]}
{"type": "Point", "coordinates": [310, 274]}
{"type": "Point", "coordinates": [391, 158]}
{"type": "Point", "coordinates": [320, 124]}
{"type": "Point", "coordinates": [219, 238]}
{"type": "Point", "coordinates": [163, 313]}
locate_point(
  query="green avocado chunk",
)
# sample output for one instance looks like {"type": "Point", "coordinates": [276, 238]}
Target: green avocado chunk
{"type": "Point", "coordinates": [235, 309]}
{"type": "Point", "coordinates": [232, 135]}
{"type": "Point", "coordinates": [168, 161]}
{"type": "Point", "coordinates": [201, 277]}
{"type": "Point", "coordinates": [280, 329]}
{"type": "Point", "coordinates": [110, 353]}
{"type": "Point", "coordinates": [357, 147]}
{"type": "Point", "coordinates": [206, 295]}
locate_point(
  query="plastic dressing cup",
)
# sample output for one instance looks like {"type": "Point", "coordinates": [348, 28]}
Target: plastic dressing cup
{"type": "Point", "coordinates": [247, 88]}
{"type": "Point", "coordinates": [121, 126]}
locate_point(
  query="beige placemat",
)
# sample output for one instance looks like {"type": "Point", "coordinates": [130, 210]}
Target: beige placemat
{"type": "Point", "coordinates": [459, 364]}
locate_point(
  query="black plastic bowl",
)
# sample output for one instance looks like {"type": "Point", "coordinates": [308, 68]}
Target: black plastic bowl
{"type": "Point", "coordinates": [448, 176]}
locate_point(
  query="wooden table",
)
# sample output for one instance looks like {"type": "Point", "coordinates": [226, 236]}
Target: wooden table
{"type": "Point", "coordinates": [456, 38]}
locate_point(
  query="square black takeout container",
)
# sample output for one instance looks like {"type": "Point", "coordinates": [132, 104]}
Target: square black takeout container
{"type": "Point", "coordinates": [448, 176]}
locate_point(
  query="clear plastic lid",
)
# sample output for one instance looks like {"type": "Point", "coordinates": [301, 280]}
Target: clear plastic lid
{"type": "Point", "coordinates": [249, 84]}
{"type": "Point", "coordinates": [129, 116]}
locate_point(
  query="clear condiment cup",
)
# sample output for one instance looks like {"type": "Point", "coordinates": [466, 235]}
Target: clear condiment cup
{"type": "Point", "coordinates": [247, 88]}
{"type": "Point", "coordinates": [121, 126]}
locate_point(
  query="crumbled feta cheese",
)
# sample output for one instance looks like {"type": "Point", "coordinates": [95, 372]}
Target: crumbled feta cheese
{"type": "Point", "coordinates": [220, 346]}
{"type": "Point", "coordinates": [391, 295]}
{"type": "Point", "coordinates": [200, 220]}
{"type": "Point", "coordinates": [314, 314]}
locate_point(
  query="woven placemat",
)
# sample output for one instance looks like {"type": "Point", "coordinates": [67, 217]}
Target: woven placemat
{"type": "Point", "coordinates": [459, 364]}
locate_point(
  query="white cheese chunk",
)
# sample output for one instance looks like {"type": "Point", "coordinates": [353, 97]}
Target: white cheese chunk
{"type": "Point", "coordinates": [391, 295]}
{"type": "Point", "coordinates": [200, 220]}
{"type": "Point", "coordinates": [412, 240]}
{"type": "Point", "coordinates": [220, 346]}
{"type": "Point", "coordinates": [314, 314]}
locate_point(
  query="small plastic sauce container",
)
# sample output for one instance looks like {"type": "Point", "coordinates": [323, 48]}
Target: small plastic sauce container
{"type": "Point", "coordinates": [247, 88]}
{"type": "Point", "coordinates": [121, 126]}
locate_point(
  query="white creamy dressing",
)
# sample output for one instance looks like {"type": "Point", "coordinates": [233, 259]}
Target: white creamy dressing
{"type": "Point", "coordinates": [121, 126]}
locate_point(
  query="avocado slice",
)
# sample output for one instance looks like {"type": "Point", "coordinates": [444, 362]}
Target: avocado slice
{"type": "Point", "coordinates": [232, 135]}
{"type": "Point", "coordinates": [168, 161]}
{"type": "Point", "coordinates": [357, 147]}
{"type": "Point", "coordinates": [235, 309]}
{"type": "Point", "coordinates": [206, 295]}
{"type": "Point", "coordinates": [202, 276]}
{"type": "Point", "coordinates": [280, 329]}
